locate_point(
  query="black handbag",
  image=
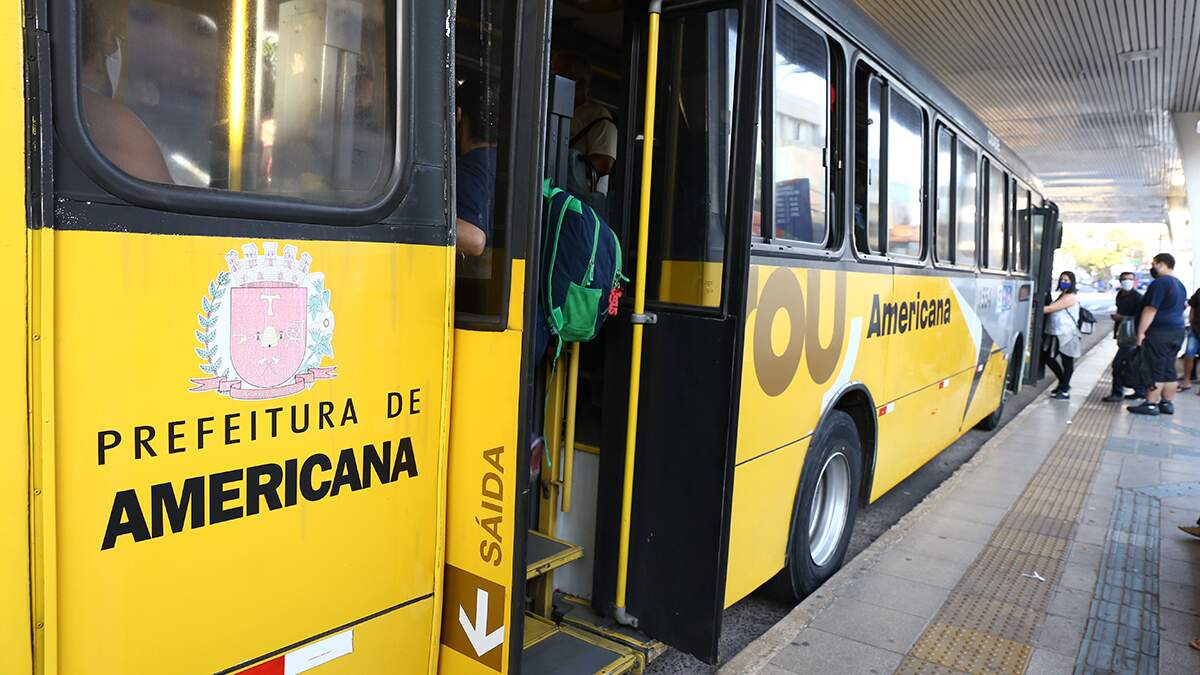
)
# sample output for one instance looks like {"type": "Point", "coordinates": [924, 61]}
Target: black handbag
{"type": "Point", "coordinates": [1139, 372]}
{"type": "Point", "coordinates": [1087, 321]}
{"type": "Point", "coordinates": [1126, 332]}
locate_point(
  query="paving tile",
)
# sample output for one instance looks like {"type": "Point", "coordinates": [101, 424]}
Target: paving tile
{"type": "Point", "coordinates": [1179, 546]}
{"type": "Point", "coordinates": [1078, 577]}
{"type": "Point", "coordinates": [1060, 634]}
{"type": "Point", "coordinates": [1082, 553]}
{"type": "Point", "coordinates": [942, 548]}
{"type": "Point", "coordinates": [1070, 603]}
{"type": "Point", "coordinates": [874, 625]}
{"type": "Point", "coordinates": [956, 528]}
{"type": "Point", "coordinates": [904, 595]}
{"type": "Point", "coordinates": [927, 570]}
{"type": "Point", "coordinates": [1177, 658]}
{"type": "Point", "coordinates": [1045, 662]}
{"type": "Point", "coordinates": [1138, 471]}
{"type": "Point", "coordinates": [1178, 627]}
{"type": "Point", "coordinates": [1179, 597]}
{"type": "Point", "coordinates": [976, 513]}
{"type": "Point", "coordinates": [1091, 534]}
{"type": "Point", "coordinates": [1179, 572]}
{"type": "Point", "coordinates": [817, 652]}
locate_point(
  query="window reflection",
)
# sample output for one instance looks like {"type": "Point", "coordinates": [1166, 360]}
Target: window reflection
{"type": "Point", "coordinates": [967, 184]}
{"type": "Point", "coordinates": [279, 97]}
{"type": "Point", "coordinates": [997, 210]}
{"type": "Point", "coordinates": [944, 165]}
{"type": "Point", "coordinates": [906, 180]}
{"type": "Point", "coordinates": [801, 114]}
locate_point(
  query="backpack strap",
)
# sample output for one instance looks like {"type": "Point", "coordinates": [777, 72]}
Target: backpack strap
{"type": "Point", "coordinates": [591, 125]}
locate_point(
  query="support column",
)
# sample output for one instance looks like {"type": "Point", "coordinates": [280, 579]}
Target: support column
{"type": "Point", "coordinates": [1187, 135]}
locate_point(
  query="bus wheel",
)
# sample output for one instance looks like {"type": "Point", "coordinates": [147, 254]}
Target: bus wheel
{"type": "Point", "coordinates": [992, 421]}
{"type": "Point", "coordinates": [827, 504]}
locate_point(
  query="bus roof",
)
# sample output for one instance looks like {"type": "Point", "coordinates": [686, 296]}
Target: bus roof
{"type": "Point", "coordinates": [872, 39]}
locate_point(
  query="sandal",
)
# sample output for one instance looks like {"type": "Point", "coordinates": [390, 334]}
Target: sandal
{"type": "Point", "coordinates": [1195, 643]}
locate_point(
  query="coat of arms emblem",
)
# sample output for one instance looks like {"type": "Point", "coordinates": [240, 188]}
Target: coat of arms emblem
{"type": "Point", "coordinates": [265, 327]}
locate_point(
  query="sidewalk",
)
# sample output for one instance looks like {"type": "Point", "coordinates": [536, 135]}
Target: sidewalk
{"type": "Point", "coordinates": [1055, 550]}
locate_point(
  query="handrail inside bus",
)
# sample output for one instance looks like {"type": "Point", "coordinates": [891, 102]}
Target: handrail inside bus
{"type": "Point", "coordinates": [639, 309]}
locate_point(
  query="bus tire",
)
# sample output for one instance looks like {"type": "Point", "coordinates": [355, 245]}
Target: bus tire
{"type": "Point", "coordinates": [992, 421]}
{"type": "Point", "coordinates": [826, 505]}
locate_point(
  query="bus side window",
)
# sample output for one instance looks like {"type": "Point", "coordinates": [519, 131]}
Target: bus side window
{"type": "Point", "coordinates": [997, 217]}
{"type": "Point", "coordinates": [291, 100]}
{"type": "Point", "coordinates": [482, 116]}
{"type": "Point", "coordinates": [800, 146]}
{"type": "Point", "coordinates": [868, 132]}
{"type": "Point", "coordinates": [905, 176]}
{"type": "Point", "coordinates": [693, 124]}
{"type": "Point", "coordinates": [1021, 231]}
{"type": "Point", "coordinates": [944, 178]}
{"type": "Point", "coordinates": [967, 181]}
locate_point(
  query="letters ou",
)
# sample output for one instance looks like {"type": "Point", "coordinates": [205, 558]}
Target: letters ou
{"type": "Point", "coordinates": [782, 292]}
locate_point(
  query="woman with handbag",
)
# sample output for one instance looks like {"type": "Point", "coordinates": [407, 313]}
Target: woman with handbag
{"type": "Point", "coordinates": [1064, 342]}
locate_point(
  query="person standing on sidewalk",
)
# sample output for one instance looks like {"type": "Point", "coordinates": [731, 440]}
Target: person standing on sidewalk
{"type": "Point", "coordinates": [1065, 342]}
{"type": "Point", "coordinates": [1192, 349]}
{"type": "Point", "coordinates": [1129, 305]}
{"type": "Point", "coordinates": [1160, 335]}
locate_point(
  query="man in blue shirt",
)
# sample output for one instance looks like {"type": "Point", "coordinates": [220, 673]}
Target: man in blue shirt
{"type": "Point", "coordinates": [475, 170]}
{"type": "Point", "coordinates": [1160, 335]}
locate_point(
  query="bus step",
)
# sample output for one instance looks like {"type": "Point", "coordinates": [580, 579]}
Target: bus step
{"type": "Point", "coordinates": [545, 553]}
{"type": "Point", "coordinates": [577, 612]}
{"type": "Point", "coordinates": [567, 651]}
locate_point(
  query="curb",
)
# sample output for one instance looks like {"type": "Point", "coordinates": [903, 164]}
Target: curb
{"type": "Point", "coordinates": [758, 654]}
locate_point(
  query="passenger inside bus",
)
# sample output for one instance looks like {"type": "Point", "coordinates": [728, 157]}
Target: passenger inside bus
{"type": "Point", "coordinates": [593, 128]}
{"type": "Point", "coordinates": [115, 129]}
{"type": "Point", "coordinates": [475, 170]}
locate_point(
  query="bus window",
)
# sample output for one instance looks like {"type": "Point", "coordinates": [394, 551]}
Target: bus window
{"type": "Point", "coordinates": [289, 99]}
{"type": "Point", "coordinates": [800, 131]}
{"type": "Point", "coordinates": [1021, 234]}
{"type": "Point", "coordinates": [966, 174]}
{"type": "Point", "coordinates": [693, 124]}
{"type": "Point", "coordinates": [996, 218]}
{"type": "Point", "coordinates": [905, 176]}
{"type": "Point", "coordinates": [482, 108]}
{"type": "Point", "coordinates": [868, 129]}
{"type": "Point", "coordinates": [945, 195]}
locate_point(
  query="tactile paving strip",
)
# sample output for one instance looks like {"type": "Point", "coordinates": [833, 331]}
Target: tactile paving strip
{"type": "Point", "coordinates": [988, 622]}
{"type": "Point", "coordinates": [1122, 630]}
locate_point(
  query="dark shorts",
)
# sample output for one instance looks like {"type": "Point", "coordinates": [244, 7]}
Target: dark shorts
{"type": "Point", "coordinates": [1162, 347]}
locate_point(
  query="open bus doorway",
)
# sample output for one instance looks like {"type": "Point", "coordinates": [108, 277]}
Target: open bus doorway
{"type": "Point", "coordinates": [566, 569]}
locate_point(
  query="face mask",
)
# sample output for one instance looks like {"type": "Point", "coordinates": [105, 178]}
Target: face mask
{"type": "Point", "coordinates": [1064, 285]}
{"type": "Point", "coordinates": [1153, 272]}
{"type": "Point", "coordinates": [112, 64]}
{"type": "Point", "coordinates": [1127, 285]}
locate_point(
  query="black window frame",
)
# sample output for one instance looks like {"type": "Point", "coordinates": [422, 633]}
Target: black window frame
{"type": "Point", "coordinates": [952, 195]}
{"type": "Point", "coordinates": [835, 144]}
{"type": "Point", "coordinates": [69, 126]}
{"type": "Point", "coordinates": [986, 221]}
{"type": "Point", "coordinates": [889, 85]}
{"type": "Point", "coordinates": [1022, 257]}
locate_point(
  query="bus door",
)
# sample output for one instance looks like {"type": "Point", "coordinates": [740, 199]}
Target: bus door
{"type": "Point", "coordinates": [1046, 237]}
{"type": "Point", "coordinates": [695, 290]}
{"type": "Point", "coordinates": [240, 315]}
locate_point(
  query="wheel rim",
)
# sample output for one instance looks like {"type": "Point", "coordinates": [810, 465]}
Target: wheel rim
{"type": "Point", "coordinates": [830, 505]}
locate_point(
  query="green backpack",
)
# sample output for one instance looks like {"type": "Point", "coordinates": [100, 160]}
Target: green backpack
{"type": "Point", "coordinates": [581, 268]}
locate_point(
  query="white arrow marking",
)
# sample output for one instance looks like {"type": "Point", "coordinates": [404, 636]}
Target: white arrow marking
{"type": "Point", "coordinates": [481, 640]}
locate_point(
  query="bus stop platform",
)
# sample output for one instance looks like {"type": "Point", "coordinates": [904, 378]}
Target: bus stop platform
{"type": "Point", "coordinates": [1054, 550]}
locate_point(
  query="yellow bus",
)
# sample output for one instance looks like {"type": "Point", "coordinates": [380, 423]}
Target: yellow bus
{"type": "Point", "coordinates": [269, 413]}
